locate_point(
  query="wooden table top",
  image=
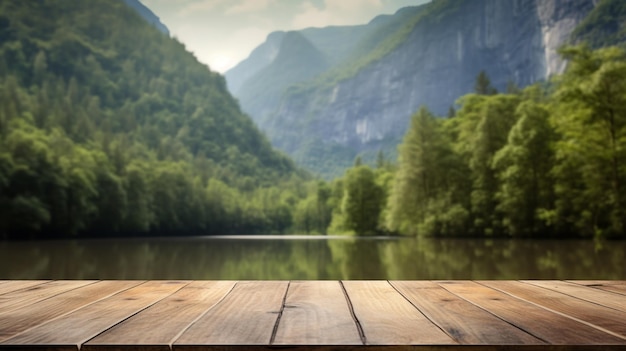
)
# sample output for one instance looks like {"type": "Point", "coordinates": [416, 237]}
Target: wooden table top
{"type": "Point", "coordinates": [321, 315]}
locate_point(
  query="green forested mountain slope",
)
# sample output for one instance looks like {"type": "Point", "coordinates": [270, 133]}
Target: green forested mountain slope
{"type": "Point", "coordinates": [147, 15]}
{"type": "Point", "coordinates": [107, 125]}
{"type": "Point", "coordinates": [605, 25]}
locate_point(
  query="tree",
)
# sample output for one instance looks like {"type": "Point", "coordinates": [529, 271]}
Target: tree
{"type": "Point", "coordinates": [140, 203]}
{"type": "Point", "coordinates": [590, 116]}
{"type": "Point", "coordinates": [381, 162]}
{"type": "Point", "coordinates": [483, 85]}
{"type": "Point", "coordinates": [304, 215]}
{"type": "Point", "coordinates": [483, 125]}
{"type": "Point", "coordinates": [40, 67]}
{"type": "Point", "coordinates": [420, 175]}
{"type": "Point", "coordinates": [362, 201]}
{"type": "Point", "coordinates": [313, 213]}
{"type": "Point", "coordinates": [523, 166]}
{"type": "Point", "coordinates": [451, 112]}
{"type": "Point", "coordinates": [323, 209]}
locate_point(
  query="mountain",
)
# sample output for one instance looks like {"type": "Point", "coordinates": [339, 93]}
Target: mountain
{"type": "Point", "coordinates": [109, 127]}
{"type": "Point", "coordinates": [148, 15]}
{"type": "Point", "coordinates": [605, 25]}
{"type": "Point", "coordinates": [337, 43]}
{"type": "Point", "coordinates": [260, 58]}
{"type": "Point", "coordinates": [297, 60]}
{"type": "Point", "coordinates": [380, 73]}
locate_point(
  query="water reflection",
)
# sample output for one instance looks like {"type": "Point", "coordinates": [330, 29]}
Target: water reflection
{"type": "Point", "coordinates": [304, 258]}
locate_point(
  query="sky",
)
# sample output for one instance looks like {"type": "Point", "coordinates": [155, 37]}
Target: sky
{"type": "Point", "coordinates": [221, 33]}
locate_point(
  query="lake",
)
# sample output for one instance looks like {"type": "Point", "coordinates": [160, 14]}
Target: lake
{"type": "Point", "coordinates": [306, 257]}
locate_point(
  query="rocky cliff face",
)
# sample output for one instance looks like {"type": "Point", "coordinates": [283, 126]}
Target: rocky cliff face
{"type": "Point", "coordinates": [437, 61]}
{"type": "Point", "coordinates": [559, 18]}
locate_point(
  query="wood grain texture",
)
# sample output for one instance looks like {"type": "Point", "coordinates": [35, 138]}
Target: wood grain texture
{"type": "Point", "coordinates": [14, 322]}
{"type": "Point", "coordinates": [316, 313]}
{"type": "Point", "coordinates": [7, 286]}
{"type": "Point", "coordinates": [457, 347]}
{"type": "Point", "coordinates": [463, 321]}
{"type": "Point", "coordinates": [312, 315]}
{"type": "Point", "coordinates": [24, 297]}
{"type": "Point", "coordinates": [246, 316]}
{"type": "Point", "coordinates": [592, 283]}
{"type": "Point", "coordinates": [597, 296]}
{"type": "Point", "coordinates": [618, 287]}
{"type": "Point", "coordinates": [160, 324]}
{"type": "Point", "coordinates": [601, 317]}
{"type": "Point", "coordinates": [83, 324]}
{"type": "Point", "coordinates": [543, 324]}
{"type": "Point", "coordinates": [388, 318]}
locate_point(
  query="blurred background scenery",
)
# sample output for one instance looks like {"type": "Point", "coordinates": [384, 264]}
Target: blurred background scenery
{"type": "Point", "coordinates": [313, 139]}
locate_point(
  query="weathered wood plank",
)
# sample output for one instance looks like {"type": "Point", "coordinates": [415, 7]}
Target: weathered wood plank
{"type": "Point", "coordinates": [158, 326]}
{"type": "Point", "coordinates": [16, 321]}
{"type": "Point", "coordinates": [7, 286]}
{"type": "Point", "coordinates": [546, 325]}
{"type": "Point", "coordinates": [463, 321]}
{"type": "Point", "coordinates": [618, 287]}
{"type": "Point", "coordinates": [21, 298]}
{"type": "Point", "coordinates": [418, 347]}
{"type": "Point", "coordinates": [604, 298]}
{"type": "Point", "coordinates": [81, 325]}
{"type": "Point", "coordinates": [605, 318]}
{"type": "Point", "coordinates": [388, 318]}
{"type": "Point", "coordinates": [246, 316]}
{"type": "Point", "coordinates": [316, 313]}
{"type": "Point", "coordinates": [597, 282]}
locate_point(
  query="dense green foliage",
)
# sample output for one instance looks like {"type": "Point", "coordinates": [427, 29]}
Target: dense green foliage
{"type": "Point", "coordinates": [541, 162]}
{"type": "Point", "coordinates": [109, 126]}
{"type": "Point", "coordinates": [604, 26]}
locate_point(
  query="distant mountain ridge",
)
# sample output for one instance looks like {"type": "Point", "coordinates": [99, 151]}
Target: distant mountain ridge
{"type": "Point", "coordinates": [380, 73]}
{"type": "Point", "coordinates": [297, 60]}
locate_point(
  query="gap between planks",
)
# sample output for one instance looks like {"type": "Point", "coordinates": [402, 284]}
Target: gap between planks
{"type": "Point", "coordinates": [359, 327]}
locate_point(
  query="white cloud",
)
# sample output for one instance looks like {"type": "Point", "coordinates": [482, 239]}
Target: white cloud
{"type": "Point", "coordinates": [347, 6]}
{"type": "Point", "coordinates": [311, 16]}
{"type": "Point", "coordinates": [201, 6]}
{"type": "Point", "coordinates": [249, 6]}
{"type": "Point", "coordinates": [336, 12]}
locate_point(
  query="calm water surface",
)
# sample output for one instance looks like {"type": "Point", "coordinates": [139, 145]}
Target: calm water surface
{"type": "Point", "coordinates": [298, 257]}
